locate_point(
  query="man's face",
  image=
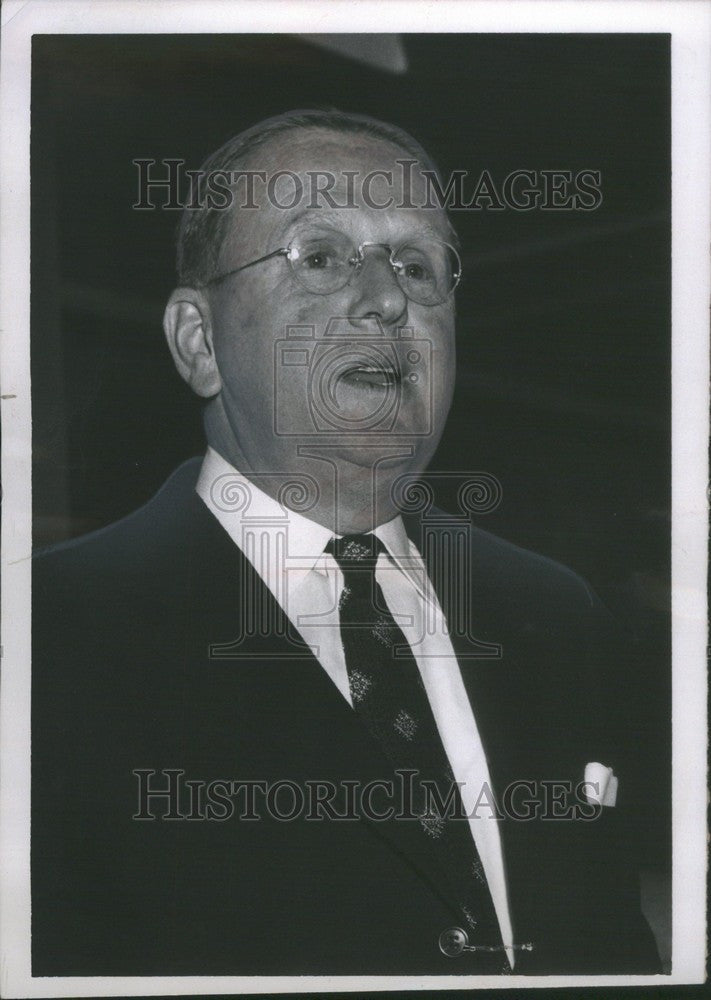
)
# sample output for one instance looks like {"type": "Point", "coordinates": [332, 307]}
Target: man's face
{"type": "Point", "coordinates": [347, 377]}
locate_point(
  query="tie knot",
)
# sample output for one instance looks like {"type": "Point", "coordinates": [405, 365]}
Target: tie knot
{"type": "Point", "coordinates": [353, 551]}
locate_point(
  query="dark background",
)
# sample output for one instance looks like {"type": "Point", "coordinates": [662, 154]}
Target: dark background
{"type": "Point", "coordinates": [563, 388]}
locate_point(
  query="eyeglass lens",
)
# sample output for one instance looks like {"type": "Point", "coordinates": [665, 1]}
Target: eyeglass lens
{"type": "Point", "coordinates": [425, 268]}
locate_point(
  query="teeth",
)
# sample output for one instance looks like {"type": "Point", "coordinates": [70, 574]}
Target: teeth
{"type": "Point", "coordinates": [371, 371]}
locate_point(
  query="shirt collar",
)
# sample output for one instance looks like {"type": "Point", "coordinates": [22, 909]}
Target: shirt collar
{"type": "Point", "coordinates": [269, 534]}
{"type": "Point", "coordinates": [272, 536]}
{"type": "Point", "coordinates": [403, 553]}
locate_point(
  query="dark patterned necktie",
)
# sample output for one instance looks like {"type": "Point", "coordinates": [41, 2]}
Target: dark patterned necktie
{"type": "Point", "coordinates": [388, 694]}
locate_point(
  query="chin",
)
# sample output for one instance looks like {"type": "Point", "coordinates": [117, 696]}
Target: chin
{"type": "Point", "coordinates": [391, 456]}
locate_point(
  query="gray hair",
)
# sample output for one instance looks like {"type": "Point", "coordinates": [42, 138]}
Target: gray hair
{"type": "Point", "coordinates": [203, 229]}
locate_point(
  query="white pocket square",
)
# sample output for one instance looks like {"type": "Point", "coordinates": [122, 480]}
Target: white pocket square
{"type": "Point", "coordinates": [600, 784]}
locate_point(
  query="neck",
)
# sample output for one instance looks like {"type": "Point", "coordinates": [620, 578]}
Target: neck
{"type": "Point", "coordinates": [347, 495]}
{"type": "Point", "coordinates": [345, 500]}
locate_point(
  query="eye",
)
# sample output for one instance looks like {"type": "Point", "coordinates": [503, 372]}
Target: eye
{"type": "Point", "coordinates": [318, 260]}
{"type": "Point", "coordinates": [420, 266]}
{"type": "Point", "coordinates": [319, 255]}
{"type": "Point", "coordinates": [416, 272]}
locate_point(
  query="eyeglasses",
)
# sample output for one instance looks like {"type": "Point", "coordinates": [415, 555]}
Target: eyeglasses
{"type": "Point", "coordinates": [426, 269]}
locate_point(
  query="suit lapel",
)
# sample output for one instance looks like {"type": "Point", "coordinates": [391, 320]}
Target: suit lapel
{"type": "Point", "coordinates": [326, 737]}
{"type": "Point", "coordinates": [493, 691]}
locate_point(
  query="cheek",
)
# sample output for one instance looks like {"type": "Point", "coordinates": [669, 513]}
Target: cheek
{"type": "Point", "coordinates": [440, 334]}
{"type": "Point", "coordinates": [284, 306]}
{"type": "Point", "coordinates": [445, 368]}
{"type": "Point", "coordinates": [303, 310]}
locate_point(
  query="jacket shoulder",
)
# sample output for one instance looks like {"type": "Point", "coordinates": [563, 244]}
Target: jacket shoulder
{"type": "Point", "coordinates": [499, 573]}
{"type": "Point", "coordinates": [129, 556]}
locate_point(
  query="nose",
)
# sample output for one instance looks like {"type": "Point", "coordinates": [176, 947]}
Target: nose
{"type": "Point", "coordinates": [375, 289]}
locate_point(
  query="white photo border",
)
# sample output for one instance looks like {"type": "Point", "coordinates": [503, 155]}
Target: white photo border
{"type": "Point", "coordinates": [689, 23]}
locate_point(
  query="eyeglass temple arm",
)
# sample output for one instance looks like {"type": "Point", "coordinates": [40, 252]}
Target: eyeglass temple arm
{"type": "Point", "coordinates": [259, 260]}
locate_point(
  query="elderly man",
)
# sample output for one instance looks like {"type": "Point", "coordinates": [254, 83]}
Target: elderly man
{"type": "Point", "coordinates": [263, 741]}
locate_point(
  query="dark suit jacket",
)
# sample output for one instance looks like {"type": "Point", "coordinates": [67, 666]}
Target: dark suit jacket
{"type": "Point", "coordinates": [123, 680]}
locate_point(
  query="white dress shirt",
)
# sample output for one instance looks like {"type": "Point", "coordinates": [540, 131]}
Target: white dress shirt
{"type": "Point", "coordinates": [287, 550]}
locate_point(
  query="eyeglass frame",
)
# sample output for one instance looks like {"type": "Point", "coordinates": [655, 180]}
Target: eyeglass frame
{"type": "Point", "coordinates": [357, 263]}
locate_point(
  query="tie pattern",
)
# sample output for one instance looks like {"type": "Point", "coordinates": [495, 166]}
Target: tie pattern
{"type": "Point", "coordinates": [388, 694]}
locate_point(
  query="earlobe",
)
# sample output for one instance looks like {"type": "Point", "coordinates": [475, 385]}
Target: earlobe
{"type": "Point", "coordinates": [188, 330]}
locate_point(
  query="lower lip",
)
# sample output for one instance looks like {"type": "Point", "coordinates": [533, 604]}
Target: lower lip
{"type": "Point", "coordinates": [369, 380]}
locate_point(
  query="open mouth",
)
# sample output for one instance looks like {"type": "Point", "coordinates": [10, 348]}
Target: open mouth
{"type": "Point", "coordinates": [370, 376]}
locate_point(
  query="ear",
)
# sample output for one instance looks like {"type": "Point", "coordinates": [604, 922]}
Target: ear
{"type": "Point", "coordinates": [187, 324]}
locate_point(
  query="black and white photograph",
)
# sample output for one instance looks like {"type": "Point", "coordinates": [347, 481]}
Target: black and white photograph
{"type": "Point", "coordinates": [355, 406]}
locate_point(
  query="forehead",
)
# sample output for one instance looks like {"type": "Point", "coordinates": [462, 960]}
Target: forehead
{"type": "Point", "coordinates": [320, 148]}
{"type": "Point", "coordinates": [350, 181]}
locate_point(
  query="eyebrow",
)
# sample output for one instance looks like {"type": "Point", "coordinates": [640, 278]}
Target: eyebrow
{"type": "Point", "coordinates": [330, 216]}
